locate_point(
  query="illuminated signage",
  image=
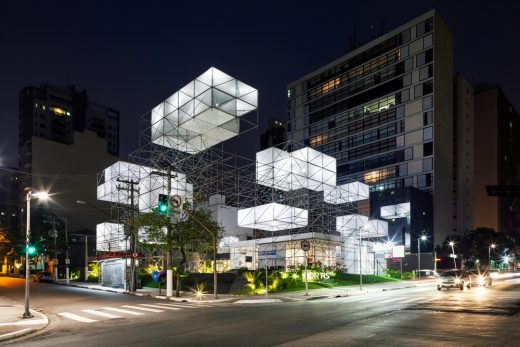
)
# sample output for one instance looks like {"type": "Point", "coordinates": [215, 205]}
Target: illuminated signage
{"type": "Point", "coordinates": [59, 111]}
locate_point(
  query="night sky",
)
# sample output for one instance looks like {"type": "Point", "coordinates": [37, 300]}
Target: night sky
{"type": "Point", "coordinates": [131, 55]}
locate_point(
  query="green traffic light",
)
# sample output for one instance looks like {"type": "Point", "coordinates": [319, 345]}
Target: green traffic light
{"type": "Point", "coordinates": [163, 208]}
{"type": "Point", "coordinates": [31, 249]}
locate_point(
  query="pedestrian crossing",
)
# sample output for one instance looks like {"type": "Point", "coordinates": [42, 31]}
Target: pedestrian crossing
{"type": "Point", "coordinates": [92, 315]}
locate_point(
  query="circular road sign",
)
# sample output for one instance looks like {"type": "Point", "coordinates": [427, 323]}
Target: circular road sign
{"type": "Point", "coordinates": [176, 201]}
{"type": "Point", "coordinates": [305, 245]}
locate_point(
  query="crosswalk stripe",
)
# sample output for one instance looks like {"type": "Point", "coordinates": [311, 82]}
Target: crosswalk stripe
{"type": "Point", "coordinates": [142, 308]}
{"type": "Point", "coordinates": [412, 300]}
{"type": "Point", "coordinates": [102, 314]}
{"type": "Point", "coordinates": [368, 300]}
{"type": "Point", "coordinates": [389, 300]}
{"type": "Point", "coordinates": [157, 306]}
{"type": "Point", "coordinates": [122, 311]}
{"type": "Point", "coordinates": [179, 305]}
{"type": "Point", "coordinates": [76, 317]}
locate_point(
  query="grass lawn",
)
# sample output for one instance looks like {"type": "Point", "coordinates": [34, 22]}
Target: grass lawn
{"type": "Point", "coordinates": [340, 280]}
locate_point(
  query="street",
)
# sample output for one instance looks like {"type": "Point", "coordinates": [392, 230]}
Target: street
{"type": "Point", "coordinates": [419, 316]}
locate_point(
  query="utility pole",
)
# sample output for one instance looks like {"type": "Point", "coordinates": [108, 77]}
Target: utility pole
{"type": "Point", "coordinates": [132, 232]}
{"type": "Point", "coordinates": [169, 256]}
{"type": "Point", "coordinates": [52, 220]}
{"type": "Point", "coordinates": [67, 259]}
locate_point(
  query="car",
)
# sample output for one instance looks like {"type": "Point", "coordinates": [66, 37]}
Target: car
{"type": "Point", "coordinates": [45, 277]}
{"type": "Point", "coordinates": [480, 278]}
{"type": "Point", "coordinates": [454, 279]}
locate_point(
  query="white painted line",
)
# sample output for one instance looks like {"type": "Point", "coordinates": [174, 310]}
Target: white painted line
{"type": "Point", "coordinates": [389, 300]}
{"type": "Point", "coordinates": [157, 306]}
{"type": "Point", "coordinates": [102, 314]}
{"type": "Point", "coordinates": [76, 317]}
{"type": "Point", "coordinates": [253, 301]}
{"type": "Point", "coordinates": [123, 311]}
{"type": "Point", "coordinates": [412, 299]}
{"type": "Point", "coordinates": [142, 308]}
{"type": "Point", "coordinates": [179, 305]}
{"type": "Point", "coordinates": [368, 300]}
{"type": "Point", "coordinates": [26, 322]}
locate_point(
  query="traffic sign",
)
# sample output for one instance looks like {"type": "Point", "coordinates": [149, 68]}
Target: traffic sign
{"type": "Point", "coordinates": [135, 255]}
{"type": "Point", "coordinates": [176, 201]}
{"type": "Point", "coordinates": [305, 245]}
{"type": "Point", "coordinates": [67, 261]}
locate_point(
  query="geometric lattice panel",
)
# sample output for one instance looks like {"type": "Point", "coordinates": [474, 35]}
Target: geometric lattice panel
{"type": "Point", "coordinates": [203, 113]}
{"type": "Point", "coordinates": [146, 194]}
{"type": "Point", "coordinates": [272, 217]}
{"type": "Point", "coordinates": [395, 211]}
{"type": "Point", "coordinates": [110, 237]}
{"type": "Point", "coordinates": [302, 168]}
{"type": "Point", "coordinates": [350, 192]}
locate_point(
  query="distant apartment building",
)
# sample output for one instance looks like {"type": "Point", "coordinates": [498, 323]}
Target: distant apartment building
{"type": "Point", "coordinates": [497, 159]}
{"type": "Point", "coordinates": [65, 139]}
{"type": "Point", "coordinates": [385, 112]}
{"type": "Point", "coordinates": [274, 135]}
{"type": "Point", "coordinates": [9, 198]}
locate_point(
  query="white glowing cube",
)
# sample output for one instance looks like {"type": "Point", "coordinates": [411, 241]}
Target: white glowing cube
{"type": "Point", "coordinates": [346, 193]}
{"type": "Point", "coordinates": [272, 217]}
{"type": "Point", "coordinates": [203, 113]}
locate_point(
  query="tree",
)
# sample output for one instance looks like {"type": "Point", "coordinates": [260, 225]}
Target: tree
{"type": "Point", "coordinates": [196, 232]}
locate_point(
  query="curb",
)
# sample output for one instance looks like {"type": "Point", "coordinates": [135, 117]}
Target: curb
{"type": "Point", "coordinates": [18, 333]}
{"type": "Point", "coordinates": [26, 331]}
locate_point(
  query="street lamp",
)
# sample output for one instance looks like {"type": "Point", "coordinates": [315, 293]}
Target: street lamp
{"type": "Point", "coordinates": [489, 253]}
{"type": "Point", "coordinates": [451, 243]}
{"type": "Point", "coordinates": [422, 238]}
{"type": "Point", "coordinates": [29, 195]}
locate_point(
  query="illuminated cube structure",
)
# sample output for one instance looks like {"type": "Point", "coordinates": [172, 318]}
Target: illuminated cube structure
{"type": "Point", "coordinates": [395, 211]}
{"type": "Point", "coordinates": [303, 168]}
{"type": "Point", "coordinates": [272, 217]}
{"type": "Point", "coordinates": [358, 249]}
{"type": "Point", "coordinates": [110, 237]}
{"type": "Point", "coordinates": [203, 113]}
{"type": "Point", "coordinates": [149, 186]}
{"type": "Point", "coordinates": [346, 193]}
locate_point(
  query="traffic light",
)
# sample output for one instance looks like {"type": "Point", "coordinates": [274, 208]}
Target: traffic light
{"type": "Point", "coordinates": [163, 203]}
{"type": "Point", "coordinates": [31, 250]}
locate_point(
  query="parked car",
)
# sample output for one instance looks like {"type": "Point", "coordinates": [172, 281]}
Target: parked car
{"type": "Point", "coordinates": [480, 278]}
{"type": "Point", "coordinates": [45, 277]}
{"type": "Point", "coordinates": [454, 279]}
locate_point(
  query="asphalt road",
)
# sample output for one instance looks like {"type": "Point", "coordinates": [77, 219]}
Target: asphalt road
{"type": "Point", "coordinates": [408, 317]}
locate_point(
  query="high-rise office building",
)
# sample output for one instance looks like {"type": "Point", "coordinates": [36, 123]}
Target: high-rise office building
{"type": "Point", "coordinates": [275, 134]}
{"type": "Point", "coordinates": [497, 159]}
{"type": "Point", "coordinates": [463, 155]}
{"type": "Point", "coordinates": [385, 112]}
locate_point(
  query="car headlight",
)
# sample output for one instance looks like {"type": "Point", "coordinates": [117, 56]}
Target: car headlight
{"type": "Point", "coordinates": [481, 280]}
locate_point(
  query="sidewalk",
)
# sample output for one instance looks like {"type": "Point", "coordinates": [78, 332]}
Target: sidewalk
{"type": "Point", "coordinates": [314, 294]}
{"type": "Point", "coordinates": [12, 324]}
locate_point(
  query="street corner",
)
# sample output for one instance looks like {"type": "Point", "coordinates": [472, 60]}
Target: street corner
{"type": "Point", "coordinates": [13, 325]}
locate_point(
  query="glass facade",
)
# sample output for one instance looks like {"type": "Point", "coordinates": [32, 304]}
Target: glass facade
{"type": "Point", "coordinates": [373, 111]}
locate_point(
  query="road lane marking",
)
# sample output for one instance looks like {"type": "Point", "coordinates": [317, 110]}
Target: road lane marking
{"type": "Point", "coordinates": [122, 311]}
{"type": "Point", "coordinates": [179, 305]}
{"type": "Point", "coordinates": [102, 314]}
{"type": "Point", "coordinates": [412, 299]}
{"type": "Point", "coordinates": [165, 307]}
{"type": "Point", "coordinates": [76, 317]}
{"type": "Point", "coordinates": [389, 300]}
{"type": "Point", "coordinates": [371, 299]}
{"type": "Point", "coordinates": [142, 308]}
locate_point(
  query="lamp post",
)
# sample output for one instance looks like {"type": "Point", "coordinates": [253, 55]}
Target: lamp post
{"type": "Point", "coordinates": [489, 254]}
{"type": "Point", "coordinates": [451, 243]}
{"type": "Point", "coordinates": [422, 238]}
{"type": "Point", "coordinates": [29, 195]}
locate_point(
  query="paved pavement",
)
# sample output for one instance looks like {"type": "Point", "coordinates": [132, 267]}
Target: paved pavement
{"type": "Point", "coordinates": [417, 316]}
{"type": "Point", "coordinates": [12, 324]}
{"type": "Point", "coordinates": [271, 297]}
